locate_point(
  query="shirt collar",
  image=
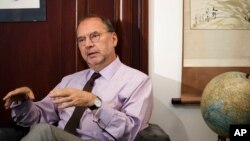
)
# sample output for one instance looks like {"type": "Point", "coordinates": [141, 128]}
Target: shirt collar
{"type": "Point", "coordinates": [109, 70]}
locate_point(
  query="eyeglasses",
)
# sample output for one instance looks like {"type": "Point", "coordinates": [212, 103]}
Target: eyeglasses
{"type": "Point", "coordinates": [93, 37]}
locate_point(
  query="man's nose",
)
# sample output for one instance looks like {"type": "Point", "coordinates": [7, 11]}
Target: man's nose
{"type": "Point", "coordinates": [88, 42]}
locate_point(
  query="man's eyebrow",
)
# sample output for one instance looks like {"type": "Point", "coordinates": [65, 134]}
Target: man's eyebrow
{"type": "Point", "coordinates": [81, 37]}
{"type": "Point", "coordinates": [87, 34]}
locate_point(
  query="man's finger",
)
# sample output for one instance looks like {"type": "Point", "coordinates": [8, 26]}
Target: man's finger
{"type": "Point", "coordinates": [8, 95]}
{"type": "Point", "coordinates": [65, 105]}
{"type": "Point", "coordinates": [59, 93]}
{"type": "Point", "coordinates": [7, 104]}
{"type": "Point", "coordinates": [62, 100]}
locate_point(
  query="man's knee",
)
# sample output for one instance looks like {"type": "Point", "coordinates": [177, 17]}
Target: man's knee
{"type": "Point", "coordinates": [41, 127]}
{"type": "Point", "coordinates": [39, 132]}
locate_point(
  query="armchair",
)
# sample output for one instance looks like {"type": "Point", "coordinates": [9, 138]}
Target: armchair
{"type": "Point", "coordinates": [151, 133]}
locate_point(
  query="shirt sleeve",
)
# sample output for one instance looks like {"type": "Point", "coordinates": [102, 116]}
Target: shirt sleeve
{"type": "Point", "coordinates": [125, 123]}
{"type": "Point", "coordinates": [28, 112]}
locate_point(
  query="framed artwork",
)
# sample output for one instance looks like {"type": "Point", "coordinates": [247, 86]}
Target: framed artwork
{"type": "Point", "coordinates": [219, 14]}
{"type": "Point", "coordinates": [22, 10]}
{"type": "Point", "coordinates": [215, 40]}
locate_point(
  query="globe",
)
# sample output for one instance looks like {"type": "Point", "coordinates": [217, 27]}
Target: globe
{"type": "Point", "coordinates": [226, 100]}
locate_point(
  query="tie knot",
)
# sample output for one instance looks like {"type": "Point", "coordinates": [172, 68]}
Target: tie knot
{"type": "Point", "coordinates": [95, 76]}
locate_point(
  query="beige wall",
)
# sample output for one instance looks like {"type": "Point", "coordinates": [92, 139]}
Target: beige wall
{"type": "Point", "coordinates": [182, 123]}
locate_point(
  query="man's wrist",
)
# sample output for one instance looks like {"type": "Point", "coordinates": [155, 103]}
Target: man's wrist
{"type": "Point", "coordinates": [18, 99]}
{"type": "Point", "coordinates": [97, 104]}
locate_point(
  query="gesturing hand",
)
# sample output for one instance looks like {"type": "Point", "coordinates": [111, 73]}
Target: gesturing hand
{"type": "Point", "coordinates": [19, 94]}
{"type": "Point", "coordinates": [67, 97]}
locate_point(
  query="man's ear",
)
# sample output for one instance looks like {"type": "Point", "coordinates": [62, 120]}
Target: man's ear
{"type": "Point", "coordinates": [114, 39]}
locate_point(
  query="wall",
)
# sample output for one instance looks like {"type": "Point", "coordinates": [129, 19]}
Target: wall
{"type": "Point", "coordinates": [183, 122]}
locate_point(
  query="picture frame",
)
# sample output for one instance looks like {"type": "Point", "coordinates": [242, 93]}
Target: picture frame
{"type": "Point", "coordinates": [211, 47]}
{"type": "Point", "coordinates": [24, 12]}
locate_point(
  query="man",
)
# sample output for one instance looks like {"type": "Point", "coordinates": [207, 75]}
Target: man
{"type": "Point", "coordinates": [117, 108]}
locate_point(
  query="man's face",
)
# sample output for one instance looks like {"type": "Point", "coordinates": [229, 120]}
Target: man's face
{"type": "Point", "coordinates": [96, 44]}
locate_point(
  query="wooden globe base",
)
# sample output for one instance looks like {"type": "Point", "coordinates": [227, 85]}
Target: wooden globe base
{"type": "Point", "coordinates": [222, 138]}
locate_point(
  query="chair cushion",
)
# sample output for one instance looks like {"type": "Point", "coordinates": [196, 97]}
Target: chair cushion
{"type": "Point", "coordinates": [152, 133]}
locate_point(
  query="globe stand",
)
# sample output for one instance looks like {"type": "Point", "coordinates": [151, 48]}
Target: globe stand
{"type": "Point", "coordinates": [221, 138]}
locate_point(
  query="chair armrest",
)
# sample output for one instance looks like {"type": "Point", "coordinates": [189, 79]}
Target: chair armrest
{"type": "Point", "coordinates": [152, 133]}
{"type": "Point", "coordinates": [14, 133]}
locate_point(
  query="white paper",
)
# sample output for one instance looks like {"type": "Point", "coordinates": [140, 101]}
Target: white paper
{"type": "Point", "coordinates": [19, 4]}
{"type": "Point", "coordinates": [216, 46]}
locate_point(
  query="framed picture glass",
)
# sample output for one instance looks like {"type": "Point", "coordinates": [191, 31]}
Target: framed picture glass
{"type": "Point", "coordinates": [22, 10]}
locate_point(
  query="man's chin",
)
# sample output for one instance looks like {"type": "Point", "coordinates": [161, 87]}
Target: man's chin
{"type": "Point", "coordinates": [93, 62]}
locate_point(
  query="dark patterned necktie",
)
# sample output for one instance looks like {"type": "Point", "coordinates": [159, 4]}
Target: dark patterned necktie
{"type": "Point", "coordinates": [74, 120]}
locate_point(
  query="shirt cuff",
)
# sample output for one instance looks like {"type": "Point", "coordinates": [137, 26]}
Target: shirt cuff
{"type": "Point", "coordinates": [104, 115]}
{"type": "Point", "coordinates": [21, 106]}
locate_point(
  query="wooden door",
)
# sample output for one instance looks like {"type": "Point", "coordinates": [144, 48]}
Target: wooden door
{"type": "Point", "coordinates": [39, 54]}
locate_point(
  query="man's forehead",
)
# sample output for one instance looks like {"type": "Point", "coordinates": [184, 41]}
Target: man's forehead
{"type": "Point", "coordinates": [91, 25]}
{"type": "Point", "coordinates": [92, 20]}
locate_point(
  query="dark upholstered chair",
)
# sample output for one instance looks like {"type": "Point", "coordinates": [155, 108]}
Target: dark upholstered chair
{"type": "Point", "coordinates": [152, 133]}
{"type": "Point", "coordinates": [14, 133]}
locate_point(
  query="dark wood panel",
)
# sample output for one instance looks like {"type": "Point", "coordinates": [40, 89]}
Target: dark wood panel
{"type": "Point", "coordinates": [68, 41]}
{"type": "Point", "coordinates": [143, 26]}
{"type": "Point", "coordinates": [133, 33]}
{"type": "Point", "coordinates": [104, 8]}
{"type": "Point", "coordinates": [125, 33]}
{"type": "Point", "coordinates": [37, 54]}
